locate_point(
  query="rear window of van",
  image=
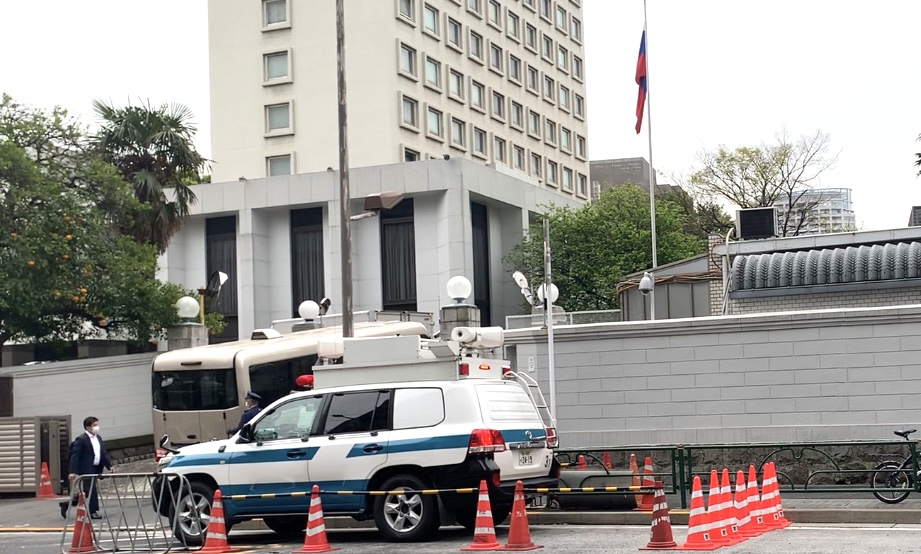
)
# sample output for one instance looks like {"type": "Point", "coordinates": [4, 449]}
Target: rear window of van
{"type": "Point", "coordinates": [500, 403]}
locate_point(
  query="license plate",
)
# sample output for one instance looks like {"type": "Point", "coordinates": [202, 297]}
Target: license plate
{"type": "Point", "coordinates": [525, 458]}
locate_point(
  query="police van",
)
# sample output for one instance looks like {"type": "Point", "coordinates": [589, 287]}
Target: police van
{"type": "Point", "coordinates": [399, 413]}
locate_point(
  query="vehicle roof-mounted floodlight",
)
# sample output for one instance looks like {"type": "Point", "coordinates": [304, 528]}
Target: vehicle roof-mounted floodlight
{"type": "Point", "coordinates": [479, 337]}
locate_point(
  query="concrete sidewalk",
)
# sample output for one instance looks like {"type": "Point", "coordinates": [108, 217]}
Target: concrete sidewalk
{"type": "Point", "coordinates": [43, 515]}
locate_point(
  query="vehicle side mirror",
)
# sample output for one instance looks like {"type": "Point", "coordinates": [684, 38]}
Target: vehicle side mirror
{"type": "Point", "coordinates": [246, 433]}
{"type": "Point", "coordinates": [164, 440]}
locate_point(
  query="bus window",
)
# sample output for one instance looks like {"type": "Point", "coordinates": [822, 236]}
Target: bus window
{"type": "Point", "coordinates": [274, 380]}
{"type": "Point", "coordinates": [210, 389]}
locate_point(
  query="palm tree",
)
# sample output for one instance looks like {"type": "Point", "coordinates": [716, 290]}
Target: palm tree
{"type": "Point", "coordinates": [154, 151]}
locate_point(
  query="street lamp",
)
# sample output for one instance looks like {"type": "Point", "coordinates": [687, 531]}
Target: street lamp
{"type": "Point", "coordinates": [459, 288]}
{"type": "Point", "coordinates": [187, 308]}
{"type": "Point", "coordinates": [308, 310]}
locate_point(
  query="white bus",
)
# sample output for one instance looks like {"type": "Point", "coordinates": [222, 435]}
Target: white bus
{"type": "Point", "coordinates": [198, 392]}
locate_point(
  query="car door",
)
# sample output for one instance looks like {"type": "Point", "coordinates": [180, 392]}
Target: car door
{"type": "Point", "coordinates": [353, 443]}
{"type": "Point", "coordinates": [276, 460]}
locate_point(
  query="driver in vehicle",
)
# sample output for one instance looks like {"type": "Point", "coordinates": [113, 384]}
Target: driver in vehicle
{"type": "Point", "coordinates": [251, 403]}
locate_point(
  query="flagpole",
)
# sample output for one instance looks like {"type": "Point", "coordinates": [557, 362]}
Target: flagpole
{"type": "Point", "coordinates": [652, 172]}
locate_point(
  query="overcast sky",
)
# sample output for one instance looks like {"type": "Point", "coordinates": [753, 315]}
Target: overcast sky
{"type": "Point", "coordinates": [721, 72]}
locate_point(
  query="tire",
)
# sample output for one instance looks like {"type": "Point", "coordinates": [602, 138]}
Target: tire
{"type": "Point", "coordinates": [467, 518]}
{"type": "Point", "coordinates": [286, 525]}
{"type": "Point", "coordinates": [405, 518]}
{"type": "Point", "coordinates": [890, 475]}
{"type": "Point", "coordinates": [185, 528]}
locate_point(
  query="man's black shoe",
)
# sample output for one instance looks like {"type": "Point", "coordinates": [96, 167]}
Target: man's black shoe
{"type": "Point", "coordinates": [95, 516]}
{"type": "Point", "coordinates": [63, 506]}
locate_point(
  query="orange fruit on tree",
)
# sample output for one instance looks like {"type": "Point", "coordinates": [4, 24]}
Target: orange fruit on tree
{"type": "Point", "coordinates": [68, 237]}
{"type": "Point", "coordinates": [65, 256]}
{"type": "Point", "coordinates": [30, 263]}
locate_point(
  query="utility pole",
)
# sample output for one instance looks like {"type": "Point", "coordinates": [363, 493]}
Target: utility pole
{"type": "Point", "coordinates": [344, 196]}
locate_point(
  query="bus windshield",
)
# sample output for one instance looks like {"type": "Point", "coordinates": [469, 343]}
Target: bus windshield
{"type": "Point", "coordinates": [207, 389]}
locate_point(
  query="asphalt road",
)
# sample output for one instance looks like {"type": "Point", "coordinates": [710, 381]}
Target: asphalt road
{"type": "Point", "coordinates": [562, 539]}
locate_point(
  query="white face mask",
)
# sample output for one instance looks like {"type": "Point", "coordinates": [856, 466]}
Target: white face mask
{"type": "Point", "coordinates": [95, 429]}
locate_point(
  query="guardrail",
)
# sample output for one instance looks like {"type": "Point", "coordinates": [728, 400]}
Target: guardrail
{"type": "Point", "coordinates": [804, 468]}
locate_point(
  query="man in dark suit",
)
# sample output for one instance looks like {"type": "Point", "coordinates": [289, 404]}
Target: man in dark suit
{"type": "Point", "coordinates": [88, 457]}
{"type": "Point", "coordinates": [251, 405]}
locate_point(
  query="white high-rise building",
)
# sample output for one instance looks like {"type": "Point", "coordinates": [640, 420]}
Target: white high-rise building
{"type": "Point", "coordinates": [827, 210]}
{"type": "Point", "coordinates": [495, 81]}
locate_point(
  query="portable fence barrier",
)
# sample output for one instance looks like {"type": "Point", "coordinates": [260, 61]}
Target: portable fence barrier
{"type": "Point", "coordinates": [137, 512]}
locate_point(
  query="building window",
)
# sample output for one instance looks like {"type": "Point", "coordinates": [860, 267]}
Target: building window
{"type": "Point", "coordinates": [410, 155]}
{"type": "Point", "coordinates": [562, 58]}
{"type": "Point", "coordinates": [434, 123]}
{"type": "Point", "coordinates": [498, 106]}
{"type": "Point", "coordinates": [221, 255]}
{"type": "Point", "coordinates": [481, 280]}
{"type": "Point", "coordinates": [495, 57]}
{"type": "Point", "coordinates": [565, 139]}
{"type": "Point", "coordinates": [551, 172]}
{"type": "Point", "coordinates": [579, 107]}
{"type": "Point", "coordinates": [582, 181]}
{"type": "Point", "coordinates": [455, 34]}
{"type": "Point", "coordinates": [546, 49]}
{"type": "Point", "coordinates": [475, 42]}
{"type": "Point", "coordinates": [407, 61]}
{"type": "Point", "coordinates": [276, 66]}
{"type": "Point", "coordinates": [433, 73]}
{"type": "Point", "coordinates": [516, 110]}
{"type": "Point", "coordinates": [575, 29]}
{"type": "Point", "coordinates": [549, 88]}
{"type": "Point", "coordinates": [534, 124]}
{"type": "Point", "coordinates": [536, 165]}
{"type": "Point", "coordinates": [513, 25]}
{"type": "Point", "coordinates": [533, 79]}
{"type": "Point", "coordinates": [477, 96]}
{"type": "Point", "coordinates": [580, 147]}
{"type": "Point", "coordinates": [561, 18]}
{"type": "Point", "coordinates": [274, 12]}
{"type": "Point", "coordinates": [398, 257]}
{"type": "Point", "coordinates": [530, 37]}
{"type": "Point", "coordinates": [529, 4]}
{"type": "Point", "coordinates": [564, 98]}
{"type": "Point", "coordinates": [410, 109]}
{"type": "Point", "coordinates": [278, 165]}
{"type": "Point", "coordinates": [495, 14]}
{"type": "Point", "coordinates": [514, 69]}
{"type": "Point", "coordinates": [518, 157]}
{"type": "Point", "coordinates": [545, 9]}
{"type": "Point", "coordinates": [550, 132]}
{"type": "Point", "coordinates": [407, 9]}
{"type": "Point", "coordinates": [479, 142]}
{"type": "Point", "coordinates": [278, 118]}
{"type": "Point", "coordinates": [458, 133]}
{"type": "Point", "coordinates": [475, 6]}
{"type": "Point", "coordinates": [577, 68]}
{"type": "Point", "coordinates": [456, 85]}
{"type": "Point", "coordinates": [307, 255]}
{"type": "Point", "coordinates": [567, 180]}
{"type": "Point", "coordinates": [498, 149]}
{"type": "Point", "coordinates": [430, 20]}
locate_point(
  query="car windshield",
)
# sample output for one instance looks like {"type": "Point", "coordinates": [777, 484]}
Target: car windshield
{"type": "Point", "coordinates": [208, 389]}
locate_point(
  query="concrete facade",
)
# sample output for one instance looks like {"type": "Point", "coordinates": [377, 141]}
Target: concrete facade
{"type": "Point", "coordinates": [782, 377]}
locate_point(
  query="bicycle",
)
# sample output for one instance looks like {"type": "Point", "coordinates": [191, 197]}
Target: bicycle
{"type": "Point", "coordinates": [892, 474]}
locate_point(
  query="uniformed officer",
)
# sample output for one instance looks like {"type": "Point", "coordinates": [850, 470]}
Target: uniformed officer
{"type": "Point", "coordinates": [251, 404]}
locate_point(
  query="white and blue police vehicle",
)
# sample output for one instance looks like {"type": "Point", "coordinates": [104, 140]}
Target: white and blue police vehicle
{"type": "Point", "coordinates": [399, 413]}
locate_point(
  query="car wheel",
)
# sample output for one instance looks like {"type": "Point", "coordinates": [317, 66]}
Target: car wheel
{"type": "Point", "coordinates": [286, 525]}
{"type": "Point", "coordinates": [406, 517]}
{"type": "Point", "coordinates": [190, 516]}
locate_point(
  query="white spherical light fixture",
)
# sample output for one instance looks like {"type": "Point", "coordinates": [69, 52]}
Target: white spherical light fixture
{"type": "Point", "coordinates": [309, 310]}
{"type": "Point", "coordinates": [187, 307]}
{"type": "Point", "coordinates": [459, 288]}
{"type": "Point", "coordinates": [554, 293]}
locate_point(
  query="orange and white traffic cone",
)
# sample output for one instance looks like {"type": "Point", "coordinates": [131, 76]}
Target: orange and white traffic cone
{"type": "Point", "coordinates": [646, 500]}
{"type": "Point", "coordinates": [606, 459]}
{"type": "Point", "coordinates": [581, 462]}
{"type": "Point", "coordinates": [661, 533]}
{"type": "Point", "coordinates": [519, 534]}
{"type": "Point", "coordinates": [44, 485]}
{"type": "Point", "coordinates": [698, 523]}
{"type": "Point", "coordinates": [315, 541]}
{"type": "Point", "coordinates": [730, 523]}
{"type": "Point", "coordinates": [216, 537]}
{"type": "Point", "coordinates": [83, 540]}
{"type": "Point", "coordinates": [775, 519]}
{"type": "Point", "coordinates": [635, 472]}
{"type": "Point", "coordinates": [715, 512]}
{"type": "Point", "coordinates": [743, 511]}
{"type": "Point", "coordinates": [484, 534]}
{"type": "Point", "coordinates": [754, 503]}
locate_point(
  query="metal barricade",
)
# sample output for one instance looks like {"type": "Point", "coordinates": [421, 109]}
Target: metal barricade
{"type": "Point", "coordinates": [139, 512]}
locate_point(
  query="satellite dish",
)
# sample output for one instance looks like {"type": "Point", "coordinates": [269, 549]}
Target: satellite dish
{"type": "Point", "coordinates": [213, 290]}
{"type": "Point", "coordinates": [520, 280]}
{"type": "Point", "coordinates": [324, 305]}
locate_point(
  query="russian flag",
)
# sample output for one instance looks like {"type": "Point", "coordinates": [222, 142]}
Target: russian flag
{"type": "Point", "coordinates": [641, 82]}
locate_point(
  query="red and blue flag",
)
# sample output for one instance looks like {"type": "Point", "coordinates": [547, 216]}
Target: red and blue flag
{"type": "Point", "coordinates": [641, 82]}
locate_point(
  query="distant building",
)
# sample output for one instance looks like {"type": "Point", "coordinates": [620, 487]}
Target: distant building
{"type": "Point", "coordinates": [625, 171]}
{"type": "Point", "coordinates": [830, 211]}
{"type": "Point", "coordinates": [914, 220]}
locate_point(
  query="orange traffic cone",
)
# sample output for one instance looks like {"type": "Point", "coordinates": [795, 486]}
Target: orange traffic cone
{"type": "Point", "coordinates": [774, 517]}
{"type": "Point", "coordinates": [83, 540]}
{"type": "Point", "coordinates": [606, 459]}
{"type": "Point", "coordinates": [484, 534]}
{"type": "Point", "coordinates": [661, 533]}
{"type": "Point", "coordinates": [216, 538]}
{"type": "Point", "coordinates": [743, 511]}
{"type": "Point", "coordinates": [315, 541]}
{"type": "Point", "coordinates": [730, 523]}
{"type": "Point", "coordinates": [44, 485]}
{"type": "Point", "coordinates": [635, 471]}
{"type": "Point", "coordinates": [581, 461]}
{"type": "Point", "coordinates": [715, 512]}
{"type": "Point", "coordinates": [646, 500]}
{"type": "Point", "coordinates": [754, 503]}
{"type": "Point", "coordinates": [698, 524]}
{"type": "Point", "coordinates": [519, 534]}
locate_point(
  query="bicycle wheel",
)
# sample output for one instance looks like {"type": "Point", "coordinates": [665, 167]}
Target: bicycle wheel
{"type": "Point", "coordinates": [890, 475]}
